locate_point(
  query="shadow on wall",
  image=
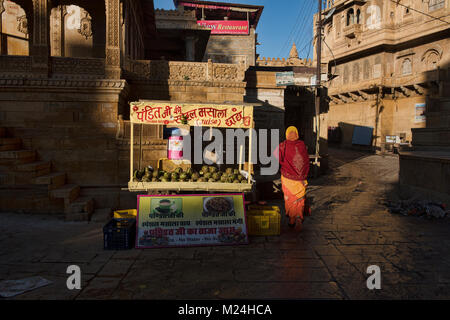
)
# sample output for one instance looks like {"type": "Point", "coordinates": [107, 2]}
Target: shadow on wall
{"type": "Point", "coordinates": [157, 89]}
{"type": "Point", "coordinates": [421, 175]}
{"type": "Point", "coordinates": [436, 112]}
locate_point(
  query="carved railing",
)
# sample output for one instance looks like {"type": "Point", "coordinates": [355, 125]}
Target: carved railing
{"type": "Point", "coordinates": [86, 68]}
{"type": "Point", "coordinates": [353, 30]}
{"type": "Point", "coordinates": [15, 66]}
{"type": "Point", "coordinates": [147, 70]}
{"type": "Point", "coordinates": [161, 70]}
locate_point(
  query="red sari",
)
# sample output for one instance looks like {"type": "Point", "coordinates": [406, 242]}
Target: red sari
{"type": "Point", "coordinates": [294, 162]}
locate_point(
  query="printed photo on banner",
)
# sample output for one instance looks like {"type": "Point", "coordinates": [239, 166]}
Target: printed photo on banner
{"type": "Point", "coordinates": [191, 220]}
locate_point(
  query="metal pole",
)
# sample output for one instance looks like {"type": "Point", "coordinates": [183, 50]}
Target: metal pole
{"type": "Point", "coordinates": [318, 80]}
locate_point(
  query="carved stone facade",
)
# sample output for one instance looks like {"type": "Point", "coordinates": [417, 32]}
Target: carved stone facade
{"type": "Point", "coordinates": [73, 109]}
{"type": "Point", "coordinates": [71, 32]}
{"type": "Point", "coordinates": [385, 60]}
{"type": "Point", "coordinates": [160, 70]}
{"type": "Point", "coordinates": [112, 66]}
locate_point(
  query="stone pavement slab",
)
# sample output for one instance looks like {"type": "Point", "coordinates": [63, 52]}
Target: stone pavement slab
{"type": "Point", "coordinates": [350, 229]}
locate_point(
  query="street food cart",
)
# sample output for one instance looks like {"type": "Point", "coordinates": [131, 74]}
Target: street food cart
{"type": "Point", "coordinates": [187, 115]}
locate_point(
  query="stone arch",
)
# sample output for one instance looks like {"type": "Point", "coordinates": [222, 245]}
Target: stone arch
{"type": "Point", "coordinates": [16, 27]}
{"type": "Point", "coordinates": [77, 28]}
{"type": "Point", "coordinates": [406, 66]}
{"type": "Point", "coordinates": [431, 58]}
{"type": "Point", "coordinates": [358, 16]}
{"type": "Point", "coordinates": [350, 16]}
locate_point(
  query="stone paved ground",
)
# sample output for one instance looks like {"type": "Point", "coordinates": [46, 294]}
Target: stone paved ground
{"type": "Point", "coordinates": [350, 230]}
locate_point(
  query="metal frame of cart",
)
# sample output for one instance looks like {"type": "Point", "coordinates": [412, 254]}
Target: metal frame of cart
{"type": "Point", "coordinates": [169, 113]}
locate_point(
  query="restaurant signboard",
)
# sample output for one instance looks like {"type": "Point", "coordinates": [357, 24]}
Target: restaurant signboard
{"type": "Point", "coordinates": [225, 26]}
{"type": "Point", "coordinates": [191, 220]}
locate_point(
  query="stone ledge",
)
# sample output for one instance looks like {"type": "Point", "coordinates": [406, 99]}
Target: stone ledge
{"type": "Point", "coordinates": [438, 156]}
{"type": "Point", "coordinates": [223, 84]}
{"type": "Point", "coordinates": [63, 83]}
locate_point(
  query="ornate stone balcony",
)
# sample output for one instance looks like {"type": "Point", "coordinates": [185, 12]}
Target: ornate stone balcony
{"type": "Point", "coordinates": [419, 83]}
{"type": "Point", "coordinates": [160, 70]}
{"type": "Point", "coordinates": [352, 31]}
{"type": "Point", "coordinates": [21, 67]}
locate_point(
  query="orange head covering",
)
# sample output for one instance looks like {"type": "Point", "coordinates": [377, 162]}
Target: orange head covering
{"type": "Point", "coordinates": [292, 133]}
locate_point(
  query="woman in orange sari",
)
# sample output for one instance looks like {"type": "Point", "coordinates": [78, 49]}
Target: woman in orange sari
{"type": "Point", "coordinates": [294, 162]}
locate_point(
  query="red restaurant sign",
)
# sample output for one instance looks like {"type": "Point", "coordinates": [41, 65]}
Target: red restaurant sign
{"type": "Point", "coordinates": [225, 26]}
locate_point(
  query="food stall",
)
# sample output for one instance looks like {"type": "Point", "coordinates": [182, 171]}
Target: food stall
{"type": "Point", "coordinates": [185, 116]}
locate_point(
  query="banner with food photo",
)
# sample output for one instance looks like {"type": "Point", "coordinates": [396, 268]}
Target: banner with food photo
{"type": "Point", "coordinates": [191, 220]}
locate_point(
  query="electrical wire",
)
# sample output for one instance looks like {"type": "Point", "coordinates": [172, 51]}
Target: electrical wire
{"type": "Point", "coordinates": [309, 50]}
{"type": "Point", "coordinates": [286, 43]}
{"type": "Point", "coordinates": [334, 58]}
{"type": "Point", "coordinates": [300, 37]}
{"type": "Point", "coordinates": [421, 12]}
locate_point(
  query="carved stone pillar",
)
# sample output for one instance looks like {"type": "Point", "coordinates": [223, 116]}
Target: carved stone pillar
{"type": "Point", "coordinates": [112, 62]}
{"type": "Point", "coordinates": [40, 47]}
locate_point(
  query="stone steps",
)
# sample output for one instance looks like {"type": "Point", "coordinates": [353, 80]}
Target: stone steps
{"type": "Point", "coordinates": [68, 192]}
{"type": "Point", "coordinates": [10, 144]}
{"type": "Point", "coordinates": [6, 179]}
{"type": "Point", "coordinates": [29, 185]}
{"type": "Point", "coordinates": [102, 215]}
{"type": "Point", "coordinates": [431, 136]}
{"type": "Point", "coordinates": [53, 180]}
{"type": "Point", "coordinates": [28, 177]}
{"type": "Point", "coordinates": [427, 171]}
{"type": "Point", "coordinates": [445, 89]}
{"type": "Point", "coordinates": [29, 198]}
{"type": "Point", "coordinates": [17, 154]}
{"type": "Point", "coordinates": [10, 164]}
{"type": "Point", "coordinates": [79, 210]}
{"type": "Point", "coordinates": [438, 120]}
{"type": "Point", "coordinates": [430, 148]}
{"type": "Point", "coordinates": [34, 166]}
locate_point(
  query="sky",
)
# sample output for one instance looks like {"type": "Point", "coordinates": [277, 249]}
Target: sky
{"type": "Point", "coordinates": [282, 23]}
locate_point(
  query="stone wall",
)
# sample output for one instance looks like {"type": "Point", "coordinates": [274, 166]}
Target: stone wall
{"type": "Point", "coordinates": [71, 123]}
{"type": "Point", "coordinates": [425, 174]}
{"type": "Point", "coordinates": [397, 117]}
{"type": "Point", "coordinates": [232, 48]}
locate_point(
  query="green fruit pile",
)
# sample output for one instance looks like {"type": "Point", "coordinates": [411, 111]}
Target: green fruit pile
{"type": "Point", "coordinates": [205, 174]}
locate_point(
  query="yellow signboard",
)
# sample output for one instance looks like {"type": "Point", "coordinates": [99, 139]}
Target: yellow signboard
{"type": "Point", "coordinates": [191, 220]}
{"type": "Point", "coordinates": [208, 115]}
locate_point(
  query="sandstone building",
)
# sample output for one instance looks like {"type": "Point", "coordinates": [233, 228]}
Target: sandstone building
{"type": "Point", "coordinates": [68, 70]}
{"type": "Point", "coordinates": [387, 62]}
{"type": "Point", "coordinates": [233, 29]}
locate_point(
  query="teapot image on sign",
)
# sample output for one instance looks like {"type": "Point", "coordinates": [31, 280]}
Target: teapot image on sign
{"type": "Point", "coordinates": [166, 208]}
